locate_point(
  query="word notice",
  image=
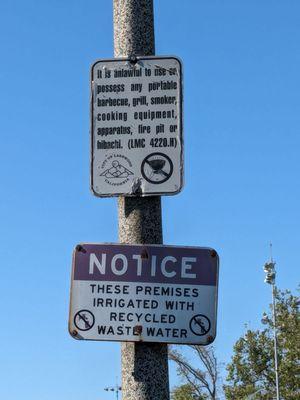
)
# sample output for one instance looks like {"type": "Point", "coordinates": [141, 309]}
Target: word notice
{"type": "Point", "coordinates": [147, 293]}
{"type": "Point", "coordinates": [136, 127]}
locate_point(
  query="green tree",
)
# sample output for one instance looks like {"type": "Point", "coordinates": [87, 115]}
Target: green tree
{"type": "Point", "coordinates": [185, 392]}
{"type": "Point", "coordinates": [201, 377]}
{"type": "Point", "coordinates": [251, 371]}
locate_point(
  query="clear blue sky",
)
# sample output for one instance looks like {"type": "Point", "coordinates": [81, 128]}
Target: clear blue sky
{"type": "Point", "coordinates": [242, 137]}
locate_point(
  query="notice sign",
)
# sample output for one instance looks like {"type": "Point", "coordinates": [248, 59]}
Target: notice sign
{"type": "Point", "coordinates": [147, 293]}
{"type": "Point", "coordinates": [136, 126]}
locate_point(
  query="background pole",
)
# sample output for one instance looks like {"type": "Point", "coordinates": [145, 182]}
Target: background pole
{"type": "Point", "coordinates": [275, 342]}
{"type": "Point", "coordinates": [144, 365]}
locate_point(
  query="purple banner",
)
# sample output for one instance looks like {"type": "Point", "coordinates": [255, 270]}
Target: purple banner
{"type": "Point", "coordinates": [146, 263]}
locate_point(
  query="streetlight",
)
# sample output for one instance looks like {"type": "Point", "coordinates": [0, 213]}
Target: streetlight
{"type": "Point", "coordinates": [116, 389]}
{"type": "Point", "coordinates": [269, 269]}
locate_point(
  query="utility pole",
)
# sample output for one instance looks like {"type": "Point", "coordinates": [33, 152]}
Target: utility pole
{"type": "Point", "coordinates": [270, 271]}
{"type": "Point", "coordinates": [144, 365]}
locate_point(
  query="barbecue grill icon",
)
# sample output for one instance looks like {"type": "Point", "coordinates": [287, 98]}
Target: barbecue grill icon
{"type": "Point", "coordinates": [157, 168]}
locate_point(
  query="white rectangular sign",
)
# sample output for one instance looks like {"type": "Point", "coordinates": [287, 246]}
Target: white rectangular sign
{"type": "Point", "coordinates": [147, 293]}
{"type": "Point", "coordinates": [136, 126]}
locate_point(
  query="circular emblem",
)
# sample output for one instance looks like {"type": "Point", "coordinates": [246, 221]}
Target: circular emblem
{"type": "Point", "coordinates": [84, 320]}
{"type": "Point", "coordinates": [157, 168]}
{"type": "Point", "coordinates": [116, 169]}
{"type": "Point", "coordinates": [200, 325]}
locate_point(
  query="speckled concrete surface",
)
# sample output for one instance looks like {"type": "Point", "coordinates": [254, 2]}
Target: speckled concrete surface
{"type": "Point", "coordinates": [133, 28]}
{"type": "Point", "coordinates": [140, 220]}
{"type": "Point", "coordinates": [144, 371]}
{"type": "Point", "coordinates": [144, 365]}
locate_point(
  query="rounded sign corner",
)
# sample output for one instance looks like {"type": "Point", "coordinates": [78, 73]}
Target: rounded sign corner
{"type": "Point", "coordinates": [179, 60]}
{"type": "Point", "coordinates": [73, 333]}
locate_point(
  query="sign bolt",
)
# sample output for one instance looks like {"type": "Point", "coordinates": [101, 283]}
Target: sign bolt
{"type": "Point", "coordinates": [213, 253]}
{"type": "Point", "coordinates": [210, 339]}
{"type": "Point", "coordinates": [138, 329]}
{"type": "Point", "coordinates": [144, 254]}
{"type": "Point", "coordinates": [133, 60]}
{"type": "Point", "coordinates": [80, 248]}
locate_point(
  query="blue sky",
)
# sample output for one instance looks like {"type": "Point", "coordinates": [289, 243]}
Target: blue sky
{"type": "Point", "coordinates": [242, 135]}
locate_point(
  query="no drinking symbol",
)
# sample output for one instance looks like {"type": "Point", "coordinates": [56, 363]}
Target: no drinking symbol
{"type": "Point", "coordinates": [200, 325]}
{"type": "Point", "coordinates": [84, 320]}
{"type": "Point", "coordinates": [157, 168]}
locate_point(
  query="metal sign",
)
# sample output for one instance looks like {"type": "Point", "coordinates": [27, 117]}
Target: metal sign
{"type": "Point", "coordinates": [147, 293]}
{"type": "Point", "coordinates": [136, 126]}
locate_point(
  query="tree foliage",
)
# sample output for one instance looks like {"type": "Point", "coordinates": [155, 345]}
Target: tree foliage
{"type": "Point", "coordinates": [185, 392]}
{"type": "Point", "coordinates": [201, 380]}
{"type": "Point", "coordinates": [252, 367]}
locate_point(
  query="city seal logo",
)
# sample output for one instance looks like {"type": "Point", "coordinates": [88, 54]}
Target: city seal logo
{"type": "Point", "coordinates": [116, 169]}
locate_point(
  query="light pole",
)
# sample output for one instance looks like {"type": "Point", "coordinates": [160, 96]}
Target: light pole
{"type": "Point", "coordinates": [269, 269]}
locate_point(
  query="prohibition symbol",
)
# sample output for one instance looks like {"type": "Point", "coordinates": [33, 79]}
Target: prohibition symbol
{"type": "Point", "coordinates": [157, 168]}
{"type": "Point", "coordinates": [84, 320]}
{"type": "Point", "coordinates": [200, 325]}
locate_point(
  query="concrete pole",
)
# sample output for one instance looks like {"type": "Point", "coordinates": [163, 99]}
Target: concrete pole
{"type": "Point", "coordinates": [144, 365]}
